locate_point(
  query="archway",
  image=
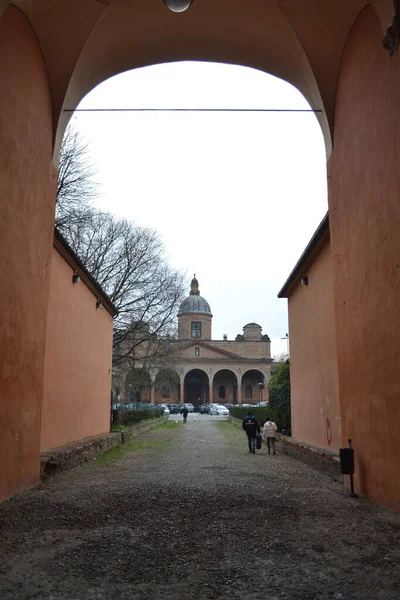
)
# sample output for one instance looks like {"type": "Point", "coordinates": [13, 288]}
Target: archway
{"type": "Point", "coordinates": [196, 386]}
{"type": "Point", "coordinates": [137, 386]}
{"type": "Point", "coordinates": [253, 389]}
{"type": "Point", "coordinates": [167, 387]}
{"type": "Point", "coordinates": [301, 45]}
{"type": "Point", "coordinates": [225, 385]}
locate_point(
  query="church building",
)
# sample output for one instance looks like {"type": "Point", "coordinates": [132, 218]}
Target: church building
{"type": "Point", "coordinates": [204, 370]}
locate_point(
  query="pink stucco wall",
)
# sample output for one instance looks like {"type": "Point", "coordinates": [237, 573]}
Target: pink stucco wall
{"type": "Point", "coordinates": [364, 199]}
{"type": "Point", "coordinates": [27, 195]}
{"type": "Point", "coordinates": [77, 372]}
{"type": "Point", "coordinates": [314, 376]}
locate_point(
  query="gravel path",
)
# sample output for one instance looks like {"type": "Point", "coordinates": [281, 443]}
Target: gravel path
{"type": "Point", "coordinates": [189, 513]}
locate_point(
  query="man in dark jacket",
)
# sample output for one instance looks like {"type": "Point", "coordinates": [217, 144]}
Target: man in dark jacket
{"type": "Point", "coordinates": [251, 427]}
{"type": "Point", "coordinates": [185, 413]}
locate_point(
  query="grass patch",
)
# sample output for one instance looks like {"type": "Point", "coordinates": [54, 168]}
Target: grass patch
{"type": "Point", "coordinates": [166, 425]}
{"type": "Point", "coordinates": [122, 449]}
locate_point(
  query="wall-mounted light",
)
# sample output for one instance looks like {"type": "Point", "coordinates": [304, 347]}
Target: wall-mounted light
{"type": "Point", "coordinates": [99, 304]}
{"type": "Point", "coordinates": [178, 6]}
{"type": "Point", "coordinates": [75, 278]}
{"type": "Point", "coordinates": [304, 280]}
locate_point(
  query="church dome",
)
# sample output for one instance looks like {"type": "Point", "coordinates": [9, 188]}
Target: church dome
{"type": "Point", "coordinates": [194, 303]}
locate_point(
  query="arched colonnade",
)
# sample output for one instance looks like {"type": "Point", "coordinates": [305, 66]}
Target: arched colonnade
{"type": "Point", "coordinates": [196, 385]}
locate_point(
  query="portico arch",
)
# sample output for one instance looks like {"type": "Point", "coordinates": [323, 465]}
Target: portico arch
{"type": "Point", "coordinates": [253, 389]}
{"type": "Point", "coordinates": [138, 386]}
{"type": "Point", "coordinates": [196, 387]}
{"type": "Point", "coordinates": [167, 387]}
{"type": "Point", "coordinates": [225, 384]}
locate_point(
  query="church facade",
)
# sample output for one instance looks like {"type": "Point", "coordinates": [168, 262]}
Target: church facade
{"type": "Point", "coordinates": [202, 370]}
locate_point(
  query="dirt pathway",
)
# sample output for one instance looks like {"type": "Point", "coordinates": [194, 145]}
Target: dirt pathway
{"type": "Point", "coordinates": [189, 513]}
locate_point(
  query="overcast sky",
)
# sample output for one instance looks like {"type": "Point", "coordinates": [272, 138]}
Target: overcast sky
{"type": "Point", "coordinates": [235, 196]}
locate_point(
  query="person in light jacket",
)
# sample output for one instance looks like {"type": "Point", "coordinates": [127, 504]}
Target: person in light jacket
{"type": "Point", "coordinates": [269, 433]}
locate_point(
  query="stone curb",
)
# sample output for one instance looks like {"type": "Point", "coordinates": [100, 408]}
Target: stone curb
{"type": "Point", "coordinates": [66, 457]}
{"type": "Point", "coordinates": [321, 459]}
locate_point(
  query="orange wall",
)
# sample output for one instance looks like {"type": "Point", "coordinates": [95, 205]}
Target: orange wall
{"type": "Point", "coordinates": [313, 372]}
{"type": "Point", "coordinates": [364, 199]}
{"type": "Point", "coordinates": [77, 373]}
{"type": "Point", "coordinates": [27, 192]}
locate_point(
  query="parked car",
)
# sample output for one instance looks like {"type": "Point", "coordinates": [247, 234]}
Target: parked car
{"type": "Point", "coordinates": [188, 405]}
{"type": "Point", "coordinates": [218, 409]}
{"type": "Point", "coordinates": [204, 409]}
{"type": "Point", "coordinates": [165, 409]}
{"type": "Point", "coordinates": [173, 409]}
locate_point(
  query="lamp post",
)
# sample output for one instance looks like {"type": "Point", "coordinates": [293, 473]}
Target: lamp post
{"type": "Point", "coordinates": [287, 343]}
{"type": "Point", "coordinates": [260, 385]}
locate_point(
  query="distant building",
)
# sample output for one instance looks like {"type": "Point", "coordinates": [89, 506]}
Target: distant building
{"type": "Point", "coordinates": [202, 370]}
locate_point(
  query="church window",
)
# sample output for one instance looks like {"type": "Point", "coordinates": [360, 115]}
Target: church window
{"type": "Point", "coordinates": [196, 329]}
{"type": "Point", "coordinates": [197, 352]}
{"type": "Point", "coordinates": [249, 392]}
{"type": "Point", "coordinates": [221, 392]}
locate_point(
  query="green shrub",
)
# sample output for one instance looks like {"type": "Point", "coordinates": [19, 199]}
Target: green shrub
{"type": "Point", "coordinates": [260, 413]}
{"type": "Point", "coordinates": [279, 399]}
{"type": "Point", "coordinates": [130, 417]}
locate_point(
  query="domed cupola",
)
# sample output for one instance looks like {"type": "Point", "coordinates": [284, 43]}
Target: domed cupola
{"type": "Point", "coordinates": [194, 303]}
{"type": "Point", "coordinates": [194, 316]}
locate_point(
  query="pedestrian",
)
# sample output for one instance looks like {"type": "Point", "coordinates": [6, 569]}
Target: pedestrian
{"type": "Point", "coordinates": [269, 433]}
{"type": "Point", "coordinates": [251, 427]}
{"type": "Point", "coordinates": [185, 413]}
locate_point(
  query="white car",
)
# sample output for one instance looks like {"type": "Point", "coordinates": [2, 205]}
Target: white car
{"type": "Point", "coordinates": [165, 409]}
{"type": "Point", "coordinates": [218, 409]}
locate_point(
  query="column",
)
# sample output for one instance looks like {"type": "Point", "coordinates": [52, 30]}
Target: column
{"type": "Point", "coordinates": [239, 392]}
{"type": "Point", "coordinates": [210, 394]}
{"type": "Point", "coordinates": [182, 394]}
{"type": "Point", "coordinates": [153, 395]}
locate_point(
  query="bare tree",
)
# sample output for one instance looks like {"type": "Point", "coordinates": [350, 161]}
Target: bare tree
{"type": "Point", "coordinates": [130, 265]}
{"type": "Point", "coordinates": [129, 262]}
{"type": "Point", "coordinates": [76, 187]}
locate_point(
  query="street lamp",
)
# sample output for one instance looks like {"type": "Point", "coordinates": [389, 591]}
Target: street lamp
{"type": "Point", "coordinates": [178, 6]}
{"type": "Point", "coordinates": [260, 385]}
{"type": "Point", "coordinates": [287, 343]}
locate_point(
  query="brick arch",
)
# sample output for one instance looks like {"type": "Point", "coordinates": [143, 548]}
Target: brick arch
{"type": "Point", "coordinates": [229, 380]}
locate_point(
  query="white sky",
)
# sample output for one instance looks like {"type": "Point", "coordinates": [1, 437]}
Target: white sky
{"type": "Point", "coordinates": [235, 196]}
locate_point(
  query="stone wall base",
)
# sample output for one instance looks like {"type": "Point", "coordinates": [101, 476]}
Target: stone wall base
{"type": "Point", "coordinates": [321, 459]}
{"type": "Point", "coordinates": [66, 457]}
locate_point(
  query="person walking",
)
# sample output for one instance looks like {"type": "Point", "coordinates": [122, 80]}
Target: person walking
{"type": "Point", "coordinates": [251, 426]}
{"type": "Point", "coordinates": [185, 413]}
{"type": "Point", "coordinates": [269, 433]}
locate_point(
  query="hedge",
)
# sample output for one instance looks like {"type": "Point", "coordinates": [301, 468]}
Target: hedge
{"type": "Point", "coordinates": [260, 413]}
{"type": "Point", "coordinates": [130, 417]}
{"type": "Point", "coordinates": [279, 399]}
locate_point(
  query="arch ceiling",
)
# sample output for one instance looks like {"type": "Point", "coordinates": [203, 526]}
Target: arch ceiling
{"type": "Point", "coordinates": [254, 372]}
{"type": "Point", "coordinates": [197, 371]}
{"type": "Point", "coordinates": [85, 42]}
{"type": "Point", "coordinates": [226, 371]}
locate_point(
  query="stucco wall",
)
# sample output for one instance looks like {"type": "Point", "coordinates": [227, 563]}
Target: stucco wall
{"type": "Point", "coordinates": [249, 349]}
{"type": "Point", "coordinates": [185, 326]}
{"type": "Point", "coordinates": [364, 199]}
{"type": "Point", "coordinates": [77, 373]}
{"type": "Point", "coordinates": [27, 193]}
{"type": "Point", "coordinates": [314, 376]}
